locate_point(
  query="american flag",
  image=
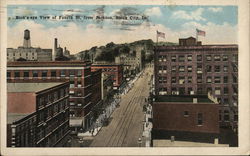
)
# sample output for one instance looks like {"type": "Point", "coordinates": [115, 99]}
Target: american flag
{"type": "Point", "coordinates": [200, 32]}
{"type": "Point", "coordinates": [160, 34]}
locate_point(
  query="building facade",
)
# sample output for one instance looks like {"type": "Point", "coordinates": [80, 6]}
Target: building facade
{"type": "Point", "coordinates": [186, 118]}
{"type": "Point", "coordinates": [191, 68]}
{"type": "Point", "coordinates": [78, 74]}
{"type": "Point", "coordinates": [38, 114]}
{"type": "Point", "coordinates": [114, 70]}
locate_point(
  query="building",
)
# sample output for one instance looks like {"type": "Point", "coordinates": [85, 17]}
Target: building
{"type": "Point", "coordinates": [107, 87]}
{"type": "Point", "coordinates": [38, 114]}
{"type": "Point", "coordinates": [132, 61]}
{"type": "Point", "coordinates": [59, 53]}
{"type": "Point", "coordinates": [193, 118]}
{"type": "Point", "coordinates": [114, 70]}
{"type": "Point", "coordinates": [78, 73]}
{"type": "Point", "coordinates": [192, 68]}
{"type": "Point", "coordinates": [26, 52]}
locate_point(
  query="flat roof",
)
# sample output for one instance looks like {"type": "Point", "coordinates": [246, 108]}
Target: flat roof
{"type": "Point", "coordinates": [30, 87]}
{"type": "Point", "coordinates": [48, 64]}
{"type": "Point", "coordinates": [183, 98]}
{"type": "Point", "coordinates": [12, 117]}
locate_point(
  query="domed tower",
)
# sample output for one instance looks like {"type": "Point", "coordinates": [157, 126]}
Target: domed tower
{"type": "Point", "coordinates": [26, 40]}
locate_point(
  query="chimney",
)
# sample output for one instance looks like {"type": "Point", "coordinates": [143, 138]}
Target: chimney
{"type": "Point", "coordinates": [55, 48]}
{"type": "Point", "coordinates": [26, 39]}
{"type": "Point", "coordinates": [65, 49]}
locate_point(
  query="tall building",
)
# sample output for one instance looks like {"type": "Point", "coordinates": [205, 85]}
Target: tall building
{"type": "Point", "coordinates": [38, 114]}
{"type": "Point", "coordinates": [79, 75]}
{"type": "Point", "coordinates": [27, 52]}
{"type": "Point", "coordinates": [192, 68]}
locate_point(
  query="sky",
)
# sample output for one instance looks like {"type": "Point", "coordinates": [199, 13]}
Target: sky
{"type": "Point", "coordinates": [77, 34]}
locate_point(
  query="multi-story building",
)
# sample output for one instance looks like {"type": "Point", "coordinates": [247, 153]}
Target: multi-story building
{"type": "Point", "coordinates": [78, 73]}
{"type": "Point", "coordinates": [38, 114]}
{"type": "Point", "coordinates": [192, 68]}
{"type": "Point", "coordinates": [26, 52]}
{"type": "Point", "coordinates": [186, 118]}
{"type": "Point", "coordinates": [114, 70]}
{"type": "Point", "coordinates": [132, 61]}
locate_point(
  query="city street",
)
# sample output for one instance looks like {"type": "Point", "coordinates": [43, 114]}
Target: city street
{"type": "Point", "coordinates": [126, 125]}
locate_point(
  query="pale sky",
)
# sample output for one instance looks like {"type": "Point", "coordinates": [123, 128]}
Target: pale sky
{"type": "Point", "coordinates": [219, 22]}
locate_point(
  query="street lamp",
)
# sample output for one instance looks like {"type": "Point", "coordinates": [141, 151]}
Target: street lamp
{"type": "Point", "coordinates": [139, 142]}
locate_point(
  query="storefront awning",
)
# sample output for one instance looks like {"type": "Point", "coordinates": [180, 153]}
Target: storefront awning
{"type": "Point", "coordinates": [76, 122]}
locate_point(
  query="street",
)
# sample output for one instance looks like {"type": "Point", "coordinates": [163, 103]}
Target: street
{"type": "Point", "coordinates": [126, 125]}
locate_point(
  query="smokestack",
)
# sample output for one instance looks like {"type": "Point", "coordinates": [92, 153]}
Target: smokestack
{"type": "Point", "coordinates": [26, 39]}
{"type": "Point", "coordinates": [55, 48]}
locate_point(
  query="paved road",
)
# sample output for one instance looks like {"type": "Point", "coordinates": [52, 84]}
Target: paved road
{"type": "Point", "coordinates": [127, 120]}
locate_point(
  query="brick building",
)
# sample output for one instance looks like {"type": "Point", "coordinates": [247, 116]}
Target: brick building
{"type": "Point", "coordinates": [114, 70]}
{"type": "Point", "coordinates": [186, 117]}
{"type": "Point", "coordinates": [192, 68]}
{"type": "Point", "coordinates": [38, 114]}
{"type": "Point", "coordinates": [78, 73]}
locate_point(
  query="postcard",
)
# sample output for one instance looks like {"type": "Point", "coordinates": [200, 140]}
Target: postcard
{"type": "Point", "coordinates": [124, 78]}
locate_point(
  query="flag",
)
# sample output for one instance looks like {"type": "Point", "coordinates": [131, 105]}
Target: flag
{"type": "Point", "coordinates": [160, 34]}
{"type": "Point", "coordinates": [200, 32]}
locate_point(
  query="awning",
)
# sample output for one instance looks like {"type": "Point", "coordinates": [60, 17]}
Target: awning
{"type": "Point", "coordinates": [76, 122]}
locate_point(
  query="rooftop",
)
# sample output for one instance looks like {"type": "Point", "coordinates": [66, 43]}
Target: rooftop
{"type": "Point", "coordinates": [12, 117]}
{"type": "Point", "coordinates": [29, 87]}
{"type": "Point", "coordinates": [48, 64]}
{"type": "Point", "coordinates": [183, 98]}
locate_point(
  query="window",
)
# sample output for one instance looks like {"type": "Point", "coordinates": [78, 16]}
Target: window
{"type": "Point", "coordinates": [8, 74]}
{"type": "Point", "coordinates": [199, 119]}
{"type": "Point", "coordinates": [235, 58]}
{"type": "Point", "coordinates": [225, 58]}
{"type": "Point", "coordinates": [189, 57]}
{"type": "Point", "coordinates": [173, 80]}
{"type": "Point", "coordinates": [225, 90]}
{"type": "Point", "coordinates": [199, 79]}
{"type": "Point", "coordinates": [181, 68]}
{"type": "Point", "coordinates": [181, 80]}
{"type": "Point", "coordinates": [235, 69]}
{"type": "Point", "coordinates": [189, 79]}
{"type": "Point", "coordinates": [199, 57]}
{"type": "Point", "coordinates": [174, 91]}
{"type": "Point", "coordinates": [173, 58]}
{"type": "Point", "coordinates": [186, 113]}
{"type": "Point", "coordinates": [26, 74]}
{"type": "Point", "coordinates": [173, 69]}
{"type": "Point", "coordinates": [79, 73]}
{"type": "Point", "coordinates": [217, 68]}
{"type": "Point", "coordinates": [181, 58]}
{"type": "Point", "coordinates": [162, 91]}
{"type": "Point", "coordinates": [216, 57]}
{"type": "Point", "coordinates": [225, 68]}
{"type": "Point", "coordinates": [199, 68]}
{"type": "Point", "coordinates": [160, 69]}
{"type": "Point", "coordinates": [208, 68]}
{"type": "Point", "coordinates": [219, 115]}
{"type": "Point", "coordinates": [182, 90]}
{"type": "Point", "coordinates": [217, 91]}
{"type": "Point", "coordinates": [209, 79]}
{"type": "Point", "coordinates": [225, 101]}
{"type": "Point", "coordinates": [53, 73]}
{"type": "Point", "coordinates": [216, 79]}
{"type": "Point", "coordinates": [35, 73]}
{"type": "Point", "coordinates": [190, 91]}
{"type": "Point", "coordinates": [226, 115]}
{"type": "Point", "coordinates": [209, 58]}
{"type": "Point", "coordinates": [199, 90]}
{"type": "Point", "coordinates": [17, 74]}
{"type": "Point", "coordinates": [44, 73]}
{"type": "Point", "coordinates": [62, 73]}
{"type": "Point", "coordinates": [235, 117]}
{"type": "Point", "coordinates": [71, 73]}
{"type": "Point", "coordinates": [225, 79]}
{"type": "Point", "coordinates": [189, 68]}
{"type": "Point", "coordinates": [209, 90]}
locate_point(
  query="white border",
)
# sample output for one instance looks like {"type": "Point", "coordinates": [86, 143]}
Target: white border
{"type": "Point", "coordinates": [244, 106]}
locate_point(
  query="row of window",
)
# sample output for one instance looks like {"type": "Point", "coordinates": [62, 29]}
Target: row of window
{"type": "Point", "coordinates": [189, 58]}
{"type": "Point", "coordinates": [189, 69]}
{"type": "Point", "coordinates": [189, 79]}
{"type": "Point", "coordinates": [20, 54]}
{"type": "Point", "coordinates": [45, 73]}
{"type": "Point", "coordinates": [199, 117]}
{"type": "Point", "coordinates": [190, 90]}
